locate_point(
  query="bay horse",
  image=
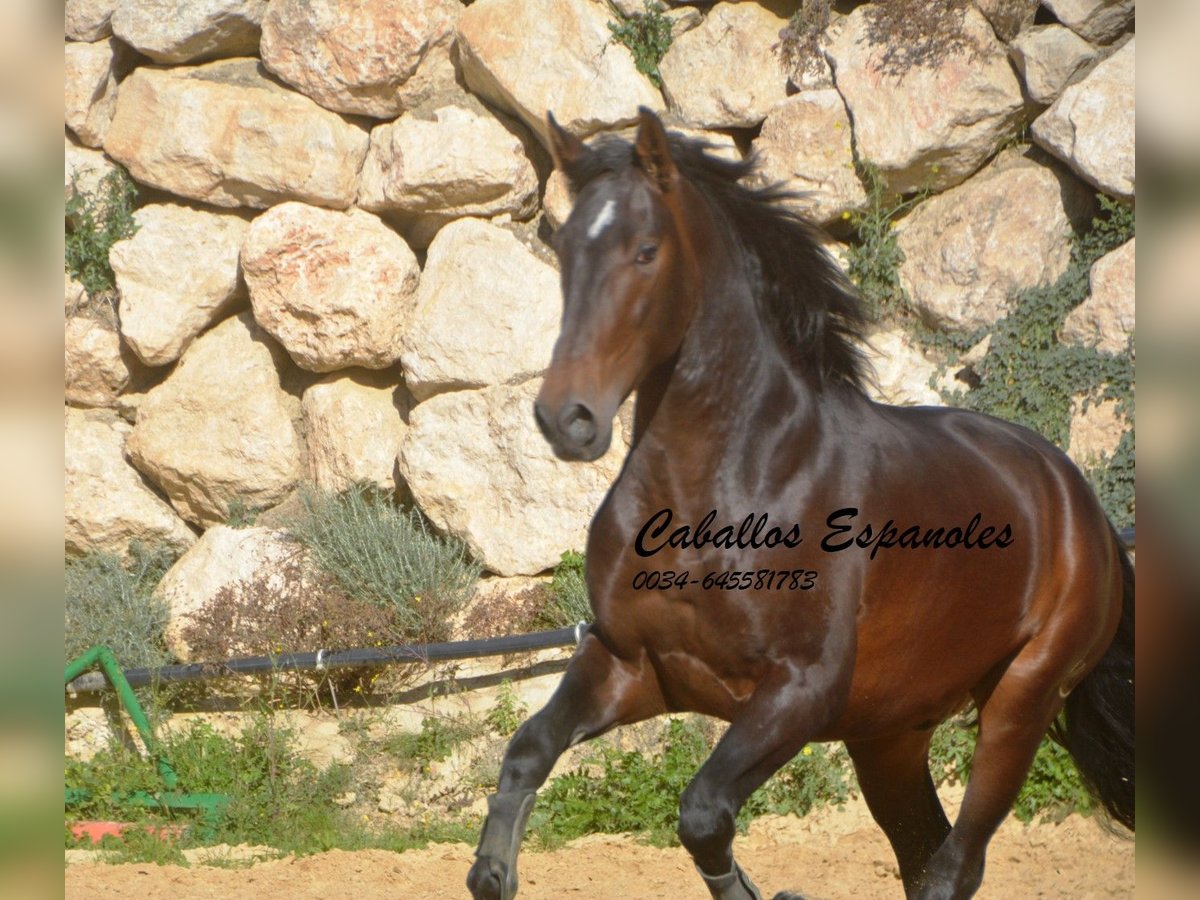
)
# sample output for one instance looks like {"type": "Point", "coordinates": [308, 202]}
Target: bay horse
{"type": "Point", "coordinates": [783, 553]}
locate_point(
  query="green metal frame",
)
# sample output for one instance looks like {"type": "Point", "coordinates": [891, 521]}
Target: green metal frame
{"type": "Point", "coordinates": [211, 806]}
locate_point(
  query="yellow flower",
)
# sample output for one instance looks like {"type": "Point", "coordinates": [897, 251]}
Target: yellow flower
{"type": "Point", "coordinates": [807, 751]}
{"type": "Point", "coordinates": [846, 214]}
{"type": "Point", "coordinates": [935, 168]}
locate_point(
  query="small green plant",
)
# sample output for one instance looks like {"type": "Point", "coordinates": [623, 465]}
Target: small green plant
{"type": "Point", "coordinates": [569, 603]}
{"type": "Point", "coordinates": [240, 515]}
{"type": "Point", "coordinates": [389, 557]}
{"type": "Point", "coordinates": [435, 741]}
{"type": "Point", "coordinates": [96, 221]}
{"type": "Point", "coordinates": [819, 775]}
{"type": "Point", "coordinates": [509, 712]}
{"type": "Point", "coordinates": [111, 602]}
{"type": "Point", "coordinates": [874, 257]}
{"type": "Point", "coordinates": [648, 37]}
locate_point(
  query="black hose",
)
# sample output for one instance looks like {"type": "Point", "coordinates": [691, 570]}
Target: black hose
{"type": "Point", "coordinates": [362, 658]}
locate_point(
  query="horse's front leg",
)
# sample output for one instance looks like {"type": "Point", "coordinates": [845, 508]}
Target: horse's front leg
{"type": "Point", "coordinates": [598, 692]}
{"type": "Point", "coordinates": [781, 716]}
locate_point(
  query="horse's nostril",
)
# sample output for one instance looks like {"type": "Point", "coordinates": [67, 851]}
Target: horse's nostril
{"type": "Point", "coordinates": [578, 423]}
{"type": "Point", "coordinates": [543, 424]}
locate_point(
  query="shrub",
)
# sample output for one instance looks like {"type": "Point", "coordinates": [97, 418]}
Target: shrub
{"type": "Point", "coordinates": [509, 712]}
{"type": "Point", "coordinates": [799, 48]}
{"type": "Point", "coordinates": [874, 257]}
{"type": "Point", "coordinates": [648, 37]}
{"type": "Point", "coordinates": [569, 603]}
{"type": "Point", "coordinates": [111, 602]}
{"type": "Point", "coordinates": [918, 33]}
{"type": "Point", "coordinates": [96, 221]}
{"type": "Point", "coordinates": [390, 558]}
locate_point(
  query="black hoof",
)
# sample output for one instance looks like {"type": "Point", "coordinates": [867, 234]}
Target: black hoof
{"type": "Point", "coordinates": [487, 880]}
{"type": "Point", "coordinates": [788, 895]}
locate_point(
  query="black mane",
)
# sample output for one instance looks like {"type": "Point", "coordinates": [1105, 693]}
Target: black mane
{"type": "Point", "coordinates": [816, 314]}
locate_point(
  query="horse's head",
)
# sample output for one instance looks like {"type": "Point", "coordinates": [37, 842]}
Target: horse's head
{"type": "Point", "coordinates": [626, 264]}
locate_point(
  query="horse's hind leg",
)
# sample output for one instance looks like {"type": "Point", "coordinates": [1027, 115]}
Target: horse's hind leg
{"type": "Point", "coordinates": [597, 692]}
{"type": "Point", "coordinates": [1012, 722]}
{"type": "Point", "coordinates": [893, 773]}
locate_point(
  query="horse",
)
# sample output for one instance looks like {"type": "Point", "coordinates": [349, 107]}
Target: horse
{"type": "Point", "coordinates": [781, 552]}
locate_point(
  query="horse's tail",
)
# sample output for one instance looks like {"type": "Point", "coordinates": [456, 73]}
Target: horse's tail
{"type": "Point", "coordinates": [1097, 722]}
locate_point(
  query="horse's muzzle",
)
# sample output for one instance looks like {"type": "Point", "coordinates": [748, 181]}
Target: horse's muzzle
{"type": "Point", "coordinates": [574, 433]}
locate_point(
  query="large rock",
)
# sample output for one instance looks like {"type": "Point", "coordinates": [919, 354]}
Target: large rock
{"type": "Point", "coordinates": [1099, 21]}
{"type": "Point", "coordinates": [425, 172]}
{"type": "Point", "coordinates": [221, 427]}
{"type": "Point", "coordinates": [225, 560]}
{"type": "Point", "coordinates": [487, 312]}
{"type": "Point", "coordinates": [936, 124]}
{"type": "Point", "coordinates": [960, 267]}
{"type": "Point", "coordinates": [1049, 58]}
{"type": "Point", "coordinates": [91, 87]}
{"type": "Point", "coordinates": [170, 31]}
{"type": "Point", "coordinates": [354, 57]}
{"type": "Point", "coordinates": [903, 373]}
{"type": "Point", "coordinates": [225, 134]}
{"type": "Point", "coordinates": [107, 503]}
{"type": "Point", "coordinates": [1106, 318]}
{"type": "Point", "coordinates": [1096, 430]}
{"type": "Point", "coordinates": [177, 275]}
{"type": "Point", "coordinates": [335, 288]}
{"type": "Point", "coordinates": [723, 74]}
{"type": "Point", "coordinates": [478, 467]}
{"type": "Point", "coordinates": [806, 144]}
{"type": "Point", "coordinates": [530, 56]}
{"type": "Point", "coordinates": [1008, 17]}
{"type": "Point", "coordinates": [353, 425]}
{"type": "Point", "coordinates": [89, 20]}
{"type": "Point", "coordinates": [97, 367]}
{"type": "Point", "coordinates": [1091, 125]}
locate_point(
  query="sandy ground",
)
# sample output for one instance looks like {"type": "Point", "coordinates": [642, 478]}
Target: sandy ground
{"type": "Point", "coordinates": [827, 855]}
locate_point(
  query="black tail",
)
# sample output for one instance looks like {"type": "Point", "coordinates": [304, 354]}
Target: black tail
{"type": "Point", "coordinates": [1097, 722]}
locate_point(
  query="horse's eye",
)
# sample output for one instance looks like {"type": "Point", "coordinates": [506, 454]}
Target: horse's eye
{"type": "Point", "coordinates": [646, 254]}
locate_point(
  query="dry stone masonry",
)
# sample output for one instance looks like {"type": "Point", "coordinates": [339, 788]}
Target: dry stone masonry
{"type": "Point", "coordinates": [341, 271]}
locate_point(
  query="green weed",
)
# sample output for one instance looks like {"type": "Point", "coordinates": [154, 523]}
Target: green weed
{"type": "Point", "coordinates": [111, 602]}
{"type": "Point", "coordinates": [509, 712]}
{"type": "Point", "coordinates": [435, 741]}
{"type": "Point", "coordinates": [874, 257]}
{"type": "Point", "coordinates": [569, 603]}
{"type": "Point", "coordinates": [96, 221]}
{"type": "Point", "coordinates": [648, 37]}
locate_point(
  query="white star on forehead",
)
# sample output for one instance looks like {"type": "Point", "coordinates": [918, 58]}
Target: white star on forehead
{"type": "Point", "coordinates": [602, 220]}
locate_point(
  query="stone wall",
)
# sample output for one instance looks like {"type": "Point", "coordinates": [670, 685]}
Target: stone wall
{"type": "Point", "coordinates": [340, 270]}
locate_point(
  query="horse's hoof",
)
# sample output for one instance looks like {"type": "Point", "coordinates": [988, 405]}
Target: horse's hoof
{"type": "Point", "coordinates": [788, 895]}
{"type": "Point", "coordinates": [488, 880]}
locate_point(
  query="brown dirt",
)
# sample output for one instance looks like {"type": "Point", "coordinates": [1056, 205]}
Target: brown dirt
{"type": "Point", "coordinates": [831, 854]}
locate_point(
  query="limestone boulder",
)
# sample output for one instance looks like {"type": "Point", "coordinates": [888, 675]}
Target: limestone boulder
{"type": "Point", "coordinates": [588, 80]}
{"type": "Point", "coordinates": [97, 367]}
{"type": "Point", "coordinates": [487, 312]}
{"type": "Point", "coordinates": [91, 73]}
{"type": "Point", "coordinates": [1098, 21]}
{"type": "Point", "coordinates": [89, 20]}
{"type": "Point", "coordinates": [934, 125]}
{"type": "Point", "coordinates": [74, 294]}
{"type": "Point", "coordinates": [424, 171]}
{"type": "Point", "coordinates": [1008, 17]}
{"type": "Point", "coordinates": [903, 373]}
{"type": "Point", "coordinates": [1106, 318]}
{"type": "Point", "coordinates": [1091, 125]}
{"type": "Point", "coordinates": [557, 200]}
{"type": "Point", "coordinates": [177, 276]}
{"type": "Point", "coordinates": [723, 73]}
{"type": "Point", "coordinates": [335, 288]}
{"type": "Point", "coordinates": [169, 31]}
{"type": "Point", "coordinates": [354, 422]}
{"type": "Point", "coordinates": [221, 427]}
{"type": "Point", "coordinates": [960, 264]}
{"type": "Point", "coordinates": [1048, 58]}
{"type": "Point", "coordinates": [805, 143]}
{"type": "Point", "coordinates": [355, 57]}
{"type": "Point", "coordinates": [227, 559]}
{"type": "Point", "coordinates": [478, 467]}
{"type": "Point", "coordinates": [1096, 430]}
{"type": "Point", "coordinates": [225, 134]}
{"type": "Point", "coordinates": [107, 503]}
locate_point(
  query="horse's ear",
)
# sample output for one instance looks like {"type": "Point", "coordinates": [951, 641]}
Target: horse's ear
{"type": "Point", "coordinates": [652, 151]}
{"type": "Point", "coordinates": [568, 151]}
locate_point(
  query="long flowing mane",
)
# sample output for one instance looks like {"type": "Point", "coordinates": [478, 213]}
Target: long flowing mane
{"type": "Point", "coordinates": [817, 317]}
